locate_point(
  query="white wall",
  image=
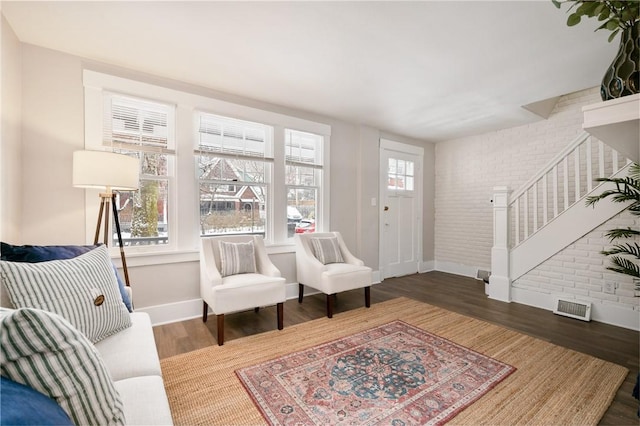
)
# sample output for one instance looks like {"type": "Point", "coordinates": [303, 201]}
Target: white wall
{"type": "Point", "coordinates": [467, 170]}
{"type": "Point", "coordinates": [579, 271]}
{"type": "Point", "coordinates": [10, 134]}
{"type": "Point", "coordinates": [53, 125]}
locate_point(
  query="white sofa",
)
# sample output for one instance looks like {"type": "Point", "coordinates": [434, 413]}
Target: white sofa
{"type": "Point", "coordinates": [132, 360]}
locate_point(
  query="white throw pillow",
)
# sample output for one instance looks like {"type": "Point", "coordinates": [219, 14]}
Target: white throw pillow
{"type": "Point", "coordinates": [237, 258]}
{"type": "Point", "coordinates": [43, 351]}
{"type": "Point", "coordinates": [327, 249]}
{"type": "Point", "coordinates": [83, 290]}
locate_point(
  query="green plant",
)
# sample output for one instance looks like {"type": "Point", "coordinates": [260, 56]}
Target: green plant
{"type": "Point", "coordinates": [617, 15]}
{"type": "Point", "coordinates": [624, 257]}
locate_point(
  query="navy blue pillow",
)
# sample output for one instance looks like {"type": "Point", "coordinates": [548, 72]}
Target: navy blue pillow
{"type": "Point", "coordinates": [22, 405]}
{"type": "Point", "coordinates": [35, 254]}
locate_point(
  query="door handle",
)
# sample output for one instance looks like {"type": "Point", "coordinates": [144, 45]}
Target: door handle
{"type": "Point", "coordinates": [386, 208]}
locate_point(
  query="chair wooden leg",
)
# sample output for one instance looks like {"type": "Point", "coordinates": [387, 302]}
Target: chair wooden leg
{"type": "Point", "coordinates": [220, 329]}
{"type": "Point", "coordinates": [330, 305]}
{"type": "Point", "coordinates": [300, 292]}
{"type": "Point", "coordinates": [205, 311]}
{"type": "Point", "coordinates": [256, 309]}
{"type": "Point", "coordinates": [280, 315]}
{"type": "Point", "coordinates": [367, 296]}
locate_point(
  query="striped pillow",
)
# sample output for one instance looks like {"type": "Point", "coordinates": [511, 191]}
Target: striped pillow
{"type": "Point", "coordinates": [82, 290]}
{"type": "Point", "coordinates": [327, 249]}
{"type": "Point", "coordinates": [237, 258]}
{"type": "Point", "coordinates": [43, 351]}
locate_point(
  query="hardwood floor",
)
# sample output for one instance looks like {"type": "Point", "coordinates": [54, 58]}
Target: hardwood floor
{"type": "Point", "coordinates": [452, 292]}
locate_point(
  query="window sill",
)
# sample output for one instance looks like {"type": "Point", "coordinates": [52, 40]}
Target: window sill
{"type": "Point", "coordinates": [162, 258]}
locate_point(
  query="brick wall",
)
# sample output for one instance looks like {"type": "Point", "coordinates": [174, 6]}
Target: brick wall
{"type": "Point", "coordinates": [467, 169]}
{"type": "Point", "coordinates": [579, 271]}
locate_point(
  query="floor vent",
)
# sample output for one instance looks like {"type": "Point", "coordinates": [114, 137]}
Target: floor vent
{"type": "Point", "coordinates": [573, 308]}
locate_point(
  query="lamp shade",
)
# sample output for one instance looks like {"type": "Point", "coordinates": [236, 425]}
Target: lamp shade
{"type": "Point", "coordinates": [105, 170]}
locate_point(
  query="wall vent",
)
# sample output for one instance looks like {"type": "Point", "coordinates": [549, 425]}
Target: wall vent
{"type": "Point", "coordinates": [573, 308]}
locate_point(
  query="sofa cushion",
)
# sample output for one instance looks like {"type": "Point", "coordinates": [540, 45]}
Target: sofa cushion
{"type": "Point", "coordinates": [131, 352]}
{"type": "Point", "coordinates": [22, 405]}
{"type": "Point", "coordinates": [45, 352]}
{"type": "Point", "coordinates": [145, 400]}
{"type": "Point", "coordinates": [83, 290]}
{"type": "Point", "coordinates": [327, 249]}
{"type": "Point", "coordinates": [35, 254]}
{"type": "Point", "coordinates": [237, 258]}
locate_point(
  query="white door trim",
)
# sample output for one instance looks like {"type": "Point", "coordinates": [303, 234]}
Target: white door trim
{"type": "Point", "coordinates": [389, 145]}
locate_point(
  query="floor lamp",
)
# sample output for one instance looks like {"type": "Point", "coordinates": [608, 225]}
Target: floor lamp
{"type": "Point", "coordinates": [108, 172]}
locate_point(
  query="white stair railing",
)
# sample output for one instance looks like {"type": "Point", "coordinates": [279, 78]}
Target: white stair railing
{"type": "Point", "coordinates": [564, 181]}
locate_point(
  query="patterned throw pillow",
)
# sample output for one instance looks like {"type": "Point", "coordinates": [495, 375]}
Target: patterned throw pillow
{"type": "Point", "coordinates": [43, 351]}
{"type": "Point", "coordinates": [237, 258]}
{"type": "Point", "coordinates": [35, 254]}
{"type": "Point", "coordinates": [82, 290]}
{"type": "Point", "coordinates": [327, 249]}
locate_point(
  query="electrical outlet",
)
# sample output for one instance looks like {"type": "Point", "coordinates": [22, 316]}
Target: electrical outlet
{"type": "Point", "coordinates": [610, 287]}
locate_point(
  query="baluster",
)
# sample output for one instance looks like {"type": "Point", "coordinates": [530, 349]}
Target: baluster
{"type": "Point", "coordinates": [525, 219]}
{"type": "Point", "coordinates": [534, 212]}
{"type": "Point", "coordinates": [601, 159]}
{"type": "Point", "coordinates": [517, 220]}
{"type": "Point", "coordinates": [577, 175]}
{"type": "Point", "coordinates": [589, 171]}
{"type": "Point", "coordinates": [614, 160]}
{"type": "Point", "coordinates": [565, 163]}
{"type": "Point", "coordinates": [544, 200]}
{"type": "Point", "coordinates": [555, 190]}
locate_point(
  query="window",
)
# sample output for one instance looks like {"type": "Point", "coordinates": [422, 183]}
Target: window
{"type": "Point", "coordinates": [145, 130]}
{"type": "Point", "coordinates": [207, 167]}
{"type": "Point", "coordinates": [303, 154]}
{"type": "Point", "coordinates": [400, 175]}
{"type": "Point", "coordinates": [237, 151]}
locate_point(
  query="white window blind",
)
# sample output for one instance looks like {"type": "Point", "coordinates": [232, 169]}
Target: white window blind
{"type": "Point", "coordinates": [223, 136]}
{"type": "Point", "coordinates": [303, 149]}
{"type": "Point", "coordinates": [138, 125]}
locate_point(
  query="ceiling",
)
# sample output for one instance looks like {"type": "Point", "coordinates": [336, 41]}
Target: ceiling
{"type": "Point", "coordinates": [428, 70]}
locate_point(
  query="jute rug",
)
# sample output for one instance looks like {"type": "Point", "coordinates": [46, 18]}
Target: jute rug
{"type": "Point", "coordinates": [393, 374]}
{"type": "Point", "coordinates": [552, 385]}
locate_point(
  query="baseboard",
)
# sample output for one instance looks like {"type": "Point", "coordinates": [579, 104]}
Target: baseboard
{"type": "Point", "coordinates": [427, 266]}
{"type": "Point", "coordinates": [456, 268]}
{"type": "Point", "coordinates": [190, 309]}
{"type": "Point", "coordinates": [608, 314]}
{"type": "Point", "coordinates": [174, 312]}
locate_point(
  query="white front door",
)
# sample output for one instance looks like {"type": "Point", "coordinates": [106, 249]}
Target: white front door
{"type": "Point", "coordinates": [400, 208]}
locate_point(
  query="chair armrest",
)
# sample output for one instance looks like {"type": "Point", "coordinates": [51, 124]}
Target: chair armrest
{"type": "Point", "coordinates": [209, 274]}
{"type": "Point", "coordinates": [264, 264]}
{"type": "Point", "coordinates": [308, 267]}
{"type": "Point", "coordinates": [346, 254]}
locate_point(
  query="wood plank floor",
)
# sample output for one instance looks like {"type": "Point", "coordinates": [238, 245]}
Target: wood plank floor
{"type": "Point", "coordinates": [452, 292]}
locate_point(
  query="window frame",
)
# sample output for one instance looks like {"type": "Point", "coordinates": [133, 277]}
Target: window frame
{"type": "Point", "coordinates": [185, 216]}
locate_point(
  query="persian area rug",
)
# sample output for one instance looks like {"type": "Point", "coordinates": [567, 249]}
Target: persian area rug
{"type": "Point", "coordinates": [393, 374]}
{"type": "Point", "coordinates": [551, 386]}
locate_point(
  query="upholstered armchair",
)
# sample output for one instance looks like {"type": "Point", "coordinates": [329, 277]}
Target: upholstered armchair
{"type": "Point", "coordinates": [236, 275]}
{"type": "Point", "coordinates": [325, 263]}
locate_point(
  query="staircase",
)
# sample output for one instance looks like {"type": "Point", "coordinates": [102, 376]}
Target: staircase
{"type": "Point", "coordinates": [548, 213]}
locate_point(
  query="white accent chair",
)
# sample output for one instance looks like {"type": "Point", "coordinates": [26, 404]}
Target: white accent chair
{"type": "Point", "coordinates": [241, 292]}
{"type": "Point", "coordinates": [331, 278]}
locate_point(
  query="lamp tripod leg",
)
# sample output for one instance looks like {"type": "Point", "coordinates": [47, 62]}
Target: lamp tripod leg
{"type": "Point", "coordinates": [117, 223]}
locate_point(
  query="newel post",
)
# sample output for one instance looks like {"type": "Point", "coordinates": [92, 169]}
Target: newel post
{"type": "Point", "coordinates": [499, 281]}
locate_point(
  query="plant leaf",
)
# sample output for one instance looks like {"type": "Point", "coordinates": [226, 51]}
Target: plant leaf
{"type": "Point", "coordinates": [614, 234]}
{"type": "Point", "coordinates": [574, 19]}
{"type": "Point", "coordinates": [626, 249]}
{"type": "Point", "coordinates": [613, 23]}
{"type": "Point", "coordinates": [624, 266]}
